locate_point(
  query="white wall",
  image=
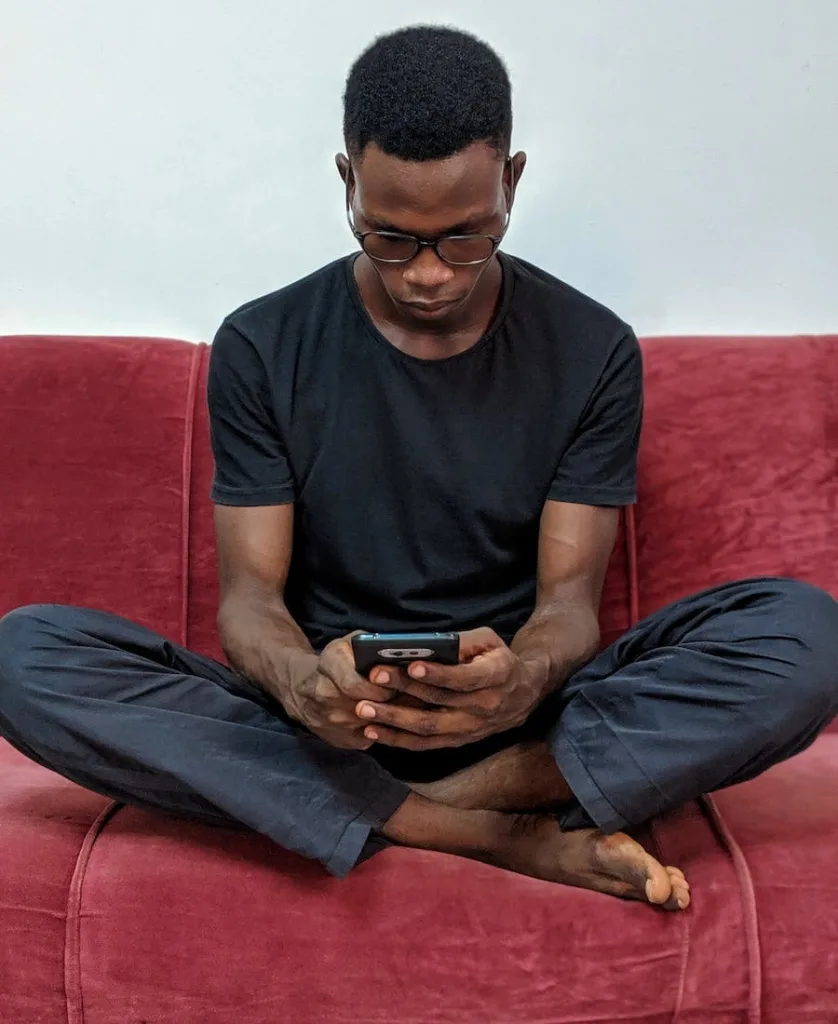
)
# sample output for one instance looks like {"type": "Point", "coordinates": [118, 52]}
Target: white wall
{"type": "Point", "coordinates": [162, 161]}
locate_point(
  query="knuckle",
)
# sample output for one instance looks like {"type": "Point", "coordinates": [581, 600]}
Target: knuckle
{"type": "Point", "coordinates": [491, 702]}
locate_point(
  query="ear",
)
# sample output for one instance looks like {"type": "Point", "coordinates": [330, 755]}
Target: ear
{"type": "Point", "coordinates": [512, 174]}
{"type": "Point", "coordinates": [344, 168]}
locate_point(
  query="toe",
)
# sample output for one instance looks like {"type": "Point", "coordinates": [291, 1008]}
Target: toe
{"type": "Point", "coordinates": [658, 882]}
{"type": "Point", "coordinates": [679, 898]}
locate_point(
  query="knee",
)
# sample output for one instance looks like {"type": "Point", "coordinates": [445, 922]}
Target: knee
{"type": "Point", "coordinates": [23, 632]}
{"type": "Point", "coordinates": [809, 616]}
{"type": "Point", "coordinates": [807, 612]}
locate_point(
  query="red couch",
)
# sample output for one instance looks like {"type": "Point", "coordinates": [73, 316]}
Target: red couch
{"type": "Point", "coordinates": [110, 915]}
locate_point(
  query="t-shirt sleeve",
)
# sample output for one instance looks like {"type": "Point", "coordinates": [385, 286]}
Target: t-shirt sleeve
{"type": "Point", "coordinates": [599, 467]}
{"type": "Point", "coordinates": [251, 462]}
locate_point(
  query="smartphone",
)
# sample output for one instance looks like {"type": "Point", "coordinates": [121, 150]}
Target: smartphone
{"type": "Point", "coordinates": [371, 649]}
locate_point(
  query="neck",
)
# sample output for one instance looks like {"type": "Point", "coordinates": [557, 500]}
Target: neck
{"type": "Point", "coordinates": [455, 334]}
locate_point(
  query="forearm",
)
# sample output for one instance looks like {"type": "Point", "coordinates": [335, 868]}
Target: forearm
{"type": "Point", "coordinates": [560, 637]}
{"type": "Point", "coordinates": [264, 643]}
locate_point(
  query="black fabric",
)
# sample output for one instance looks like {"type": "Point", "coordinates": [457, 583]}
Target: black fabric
{"type": "Point", "coordinates": [701, 695]}
{"type": "Point", "coordinates": [418, 484]}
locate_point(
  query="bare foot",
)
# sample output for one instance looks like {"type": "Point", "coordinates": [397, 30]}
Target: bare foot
{"type": "Point", "coordinates": [535, 845]}
{"type": "Point", "coordinates": [524, 777]}
{"type": "Point", "coordinates": [588, 858]}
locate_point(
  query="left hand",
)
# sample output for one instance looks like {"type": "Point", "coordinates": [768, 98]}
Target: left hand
{"type": "Point", "coordinates": [490, 691]}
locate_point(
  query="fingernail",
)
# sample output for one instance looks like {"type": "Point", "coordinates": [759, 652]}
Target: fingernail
{"type": "Point", "coordinates": [382, 678]}
{"type": "Point", "coordinates": [371, 734]}
{"type": "Point", "coordinates": [367, 711]}
{"type": "Point", "coordinates": [418, 672]}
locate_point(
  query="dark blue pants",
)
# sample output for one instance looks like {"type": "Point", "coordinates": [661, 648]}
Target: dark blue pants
{"type": "Point", "coordinates": [706, 693]}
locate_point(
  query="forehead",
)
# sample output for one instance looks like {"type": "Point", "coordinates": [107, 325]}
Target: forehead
{"type": "Point", "coordinates": [460, 187]}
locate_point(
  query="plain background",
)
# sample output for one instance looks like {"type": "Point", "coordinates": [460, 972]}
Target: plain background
{"type": "Point", "coordinates": [163, 161]}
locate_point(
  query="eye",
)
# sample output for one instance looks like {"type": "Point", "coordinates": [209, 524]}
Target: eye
{"type": "Point", "coordinates": [466, 248]}
{"type": "Point", "coordinates": [389, 247]}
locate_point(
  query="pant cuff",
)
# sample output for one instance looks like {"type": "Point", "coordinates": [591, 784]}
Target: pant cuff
{"type": "Point", "coordinates": [352, 841]}
{"type": "Point", "coordinates": [617, 793]}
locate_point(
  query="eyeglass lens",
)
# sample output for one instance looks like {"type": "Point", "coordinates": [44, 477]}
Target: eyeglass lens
{"type": "Point", "coordinates": [455, 249]}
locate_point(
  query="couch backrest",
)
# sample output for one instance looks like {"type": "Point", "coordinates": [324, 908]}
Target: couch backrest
{"type": "Point", "coordinates": [105, 458]}
{"type": "Point", "coordinates": [95, 436]}
{"type": "Point", "coordinates": [738, 464]}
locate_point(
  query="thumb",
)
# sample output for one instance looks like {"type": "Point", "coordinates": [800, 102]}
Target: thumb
{"type": "Point", "coordinates": [478, 641]}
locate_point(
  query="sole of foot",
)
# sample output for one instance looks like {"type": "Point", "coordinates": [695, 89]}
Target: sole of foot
{"type": "Point", "coordinates": [587, 858]}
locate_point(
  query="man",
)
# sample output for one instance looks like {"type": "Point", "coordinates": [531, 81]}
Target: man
{"type": "Point", "coordinates": [428, 435]}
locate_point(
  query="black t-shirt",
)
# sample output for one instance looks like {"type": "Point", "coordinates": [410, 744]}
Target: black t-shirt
{"type": "Point", "coordinates": [418, 484]}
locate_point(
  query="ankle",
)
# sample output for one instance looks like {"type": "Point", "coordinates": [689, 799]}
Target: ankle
{"type": "Point", "coordinates": [425, 824]}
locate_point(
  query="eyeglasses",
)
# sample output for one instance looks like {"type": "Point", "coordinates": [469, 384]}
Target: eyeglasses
{"type": "Point", "coordinates": [458, 250]}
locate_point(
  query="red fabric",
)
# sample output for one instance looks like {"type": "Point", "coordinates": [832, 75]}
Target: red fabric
{"type": "Point", "coordinates": [93, 433]}
{"type": "Point", "coordinates": [140, 917]}
{"type": "Point", "coordinates": [203, 576]}
{"type": "Point", "coordinates": [43, 824]}
{"type": "Point", "coordinates": [738, 464]}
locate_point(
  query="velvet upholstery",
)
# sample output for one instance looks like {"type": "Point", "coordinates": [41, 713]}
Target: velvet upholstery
{"type": "Point", "coordinates": [113, 915]}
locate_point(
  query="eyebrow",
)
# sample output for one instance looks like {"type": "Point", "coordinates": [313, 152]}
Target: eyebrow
{"type": "Point", "coordinates": [466, 227]}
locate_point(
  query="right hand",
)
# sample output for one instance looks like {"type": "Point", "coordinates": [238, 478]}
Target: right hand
{"type": "Point", "coordinates": [325, 691]}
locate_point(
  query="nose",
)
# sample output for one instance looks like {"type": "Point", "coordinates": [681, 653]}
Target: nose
{"type": "Point", "coordinates": [426, 271]}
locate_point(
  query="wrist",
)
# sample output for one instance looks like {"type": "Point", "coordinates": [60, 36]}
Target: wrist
{"type": "Point", "coordinates": [537, 674]}
{"type": "Point", "coordinates": [300, 665]}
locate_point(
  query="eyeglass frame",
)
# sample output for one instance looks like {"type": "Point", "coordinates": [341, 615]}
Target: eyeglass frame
{"type": "Point", "coordinates": [424, 244]}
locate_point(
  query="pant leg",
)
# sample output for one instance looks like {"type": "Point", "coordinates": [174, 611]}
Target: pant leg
{"type": "Point", "coordinates": [703, 694]}
{"type": "Point", "coordinates": [120, 710]}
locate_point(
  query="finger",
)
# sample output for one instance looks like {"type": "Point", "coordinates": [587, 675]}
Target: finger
{"type": "Point", "coordinates": [353, 685]}
{"type": "Point", "coordinates": [436, 695]}
{"type": "Point", "coordinates": [478, 641]}
{"type": "Point", "coordinates": [392, 677]}
{"type": "Point", "coordinates": [408, 741]}
{"type": "Point", "coordinates": [420, 721]}
{"type": "Point", "coordinates": [483, 671]}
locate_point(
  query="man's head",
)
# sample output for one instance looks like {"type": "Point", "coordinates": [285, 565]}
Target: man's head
{"type": "Point", "coordinates": [428, 123]}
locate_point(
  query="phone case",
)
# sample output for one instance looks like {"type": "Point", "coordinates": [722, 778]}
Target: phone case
{"type": "Point", "coordinates": [371, 649]}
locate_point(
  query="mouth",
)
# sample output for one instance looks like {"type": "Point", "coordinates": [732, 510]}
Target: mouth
{"type": "Point", "coordinates": [430, 310]}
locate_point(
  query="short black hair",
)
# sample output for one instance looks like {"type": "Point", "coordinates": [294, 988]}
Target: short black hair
{"type": "Point", "coordinates": [425, 93]}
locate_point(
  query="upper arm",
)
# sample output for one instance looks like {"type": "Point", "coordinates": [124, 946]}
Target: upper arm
{"type": "Point", "coordinates": [253, 485]}
{"type": "Point", "coordinates": [252, 466]}
{"type": "Point", "coordinates": [254, 546]}
{"type": "Point", "coordinates": [574, 546]}
{"type": "Point", "coordinates": [599, 466]}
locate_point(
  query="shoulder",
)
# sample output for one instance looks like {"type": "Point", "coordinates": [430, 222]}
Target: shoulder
{"type": "Point", "coordinates": [565, 314]}
{"type": "Point", "coordinates": [262, 320]}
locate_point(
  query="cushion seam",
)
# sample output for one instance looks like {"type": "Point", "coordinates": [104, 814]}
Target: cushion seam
{"type": "Point", "coordinates": [186, 487]}
{"type": "Point", "coordinates": [747, 893]}
{"type": "Point", "coordinates": [72, 932]}
{"type": "Point", "coordinates": [631, 557]}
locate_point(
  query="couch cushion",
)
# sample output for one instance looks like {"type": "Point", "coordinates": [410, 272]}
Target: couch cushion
{"type": "Point", "coordinates": [43, 824]}
{"type": "Point", "coordinates": [140, 917]}
{"type": "Point", "coordinates": [738, 464]}
{"type": "Point", "coordinates": [785, 824]}
{"type": "Point", "coordinates": [228, 927]}
{"type": "Point", "coordinates": [94, 505]}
